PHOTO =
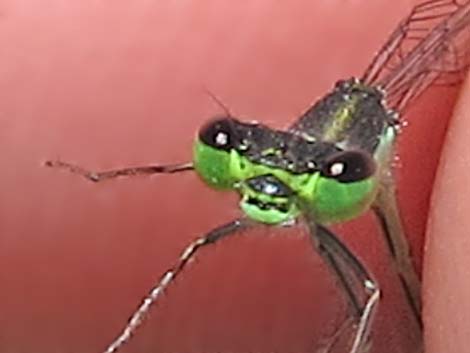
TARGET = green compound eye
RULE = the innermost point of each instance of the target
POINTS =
(212, 151)
(346, 187)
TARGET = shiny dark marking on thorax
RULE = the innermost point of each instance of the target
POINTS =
(353, 115)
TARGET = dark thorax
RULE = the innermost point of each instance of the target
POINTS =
(352, 116)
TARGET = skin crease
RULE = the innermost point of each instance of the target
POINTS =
(113, 85)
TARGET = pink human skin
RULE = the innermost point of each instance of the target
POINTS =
(446, 271)
(115, 84)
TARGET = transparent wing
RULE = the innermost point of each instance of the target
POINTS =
(430, 46)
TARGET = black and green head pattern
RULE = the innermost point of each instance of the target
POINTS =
(324, 165)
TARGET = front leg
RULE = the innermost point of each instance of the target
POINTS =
(351, 275)
(169, 276)
(114, 173)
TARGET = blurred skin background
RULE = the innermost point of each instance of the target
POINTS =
(114, 84)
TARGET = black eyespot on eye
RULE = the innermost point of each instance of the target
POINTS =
(349, 166)
(219, 133)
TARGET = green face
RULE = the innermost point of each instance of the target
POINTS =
(267, 199)
(341, 188)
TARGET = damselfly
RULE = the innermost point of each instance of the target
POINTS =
(333, 164)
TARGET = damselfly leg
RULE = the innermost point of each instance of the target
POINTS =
(169, 276)
(123, 172)
(360, 289)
